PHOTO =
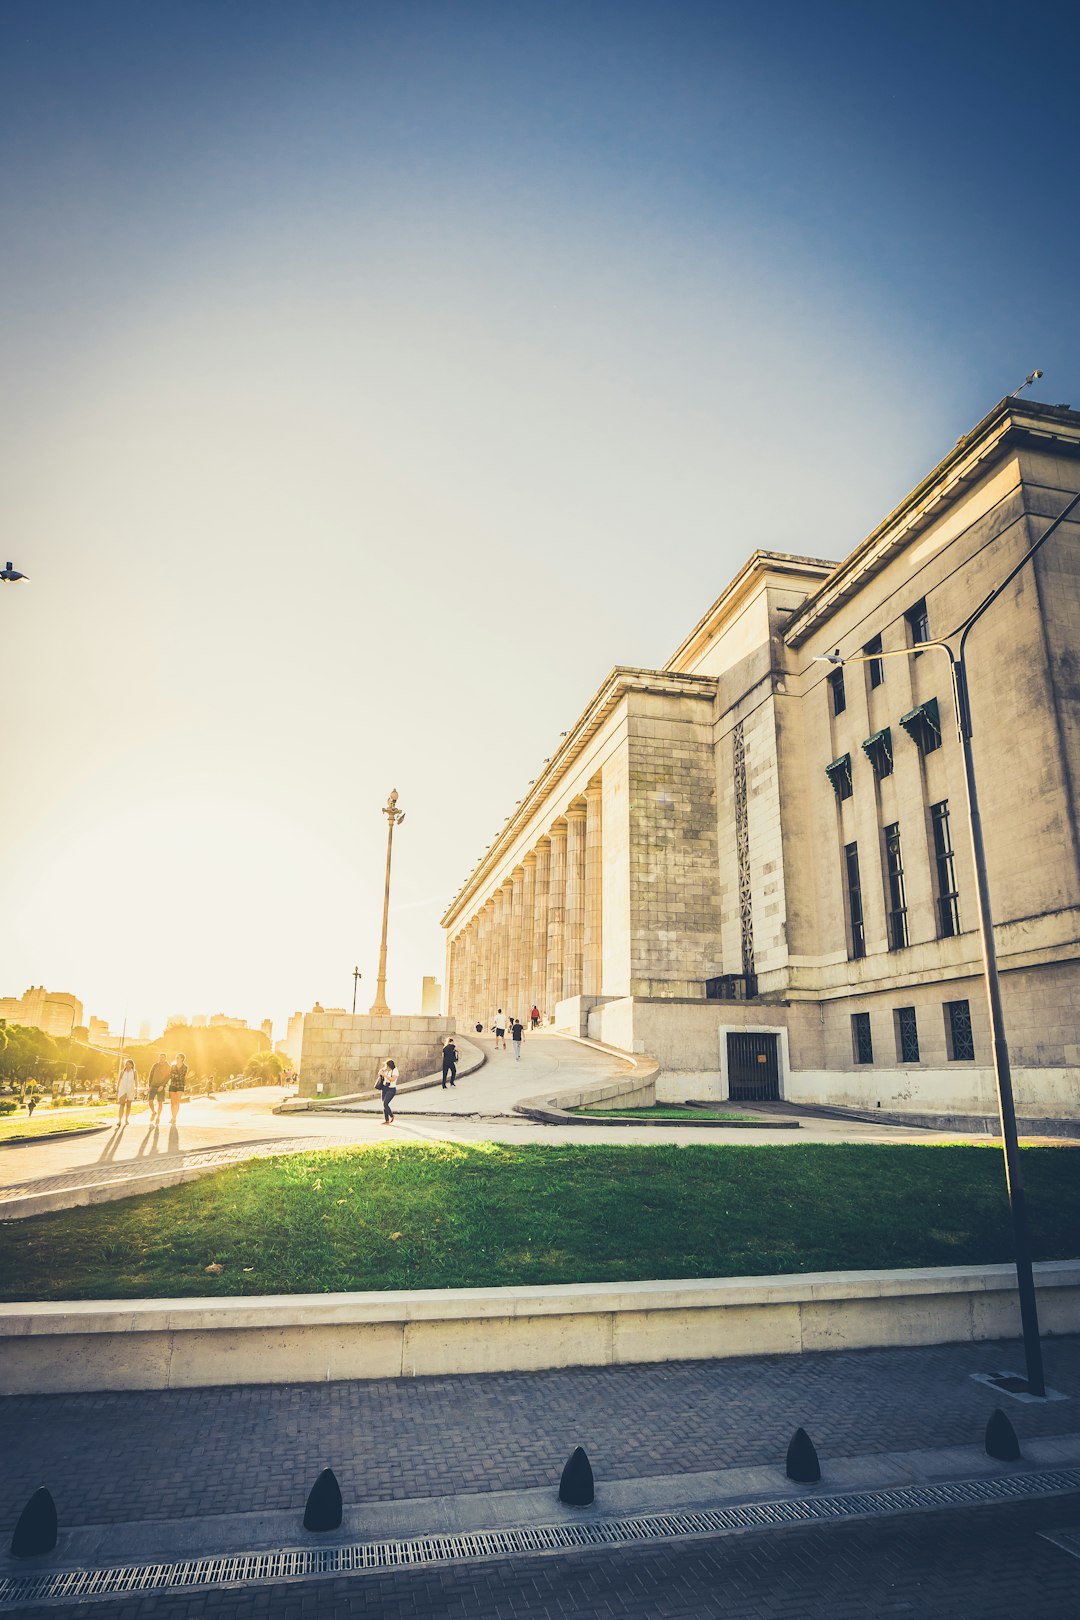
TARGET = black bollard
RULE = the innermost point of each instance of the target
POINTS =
(576, 1485)
(35, 1532)
(802, 1460)
(323, 1511)
(1001, 1441)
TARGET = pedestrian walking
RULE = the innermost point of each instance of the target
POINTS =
(178, 1074)
(31, 1104)
(125, 1092)
(498, 1023)
(387, 1084)
(516, 1034)
(449, 1063)
(156, 1081)
(534, 1017)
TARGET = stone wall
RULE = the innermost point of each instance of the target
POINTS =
(342, 1054)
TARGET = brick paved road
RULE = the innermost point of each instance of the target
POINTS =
(988, 1564)
(176, 1453)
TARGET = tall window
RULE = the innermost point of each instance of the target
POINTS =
(839, 774)
(894, 873)
(918, 621)
(958, 1036)
(948, 909)
(836, 688)
(877, 664)
(854, 895)
(861, 1040)
(907, 1035)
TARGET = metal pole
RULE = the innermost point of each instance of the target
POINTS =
(356, 977)
(394, 818)
(999, 1048)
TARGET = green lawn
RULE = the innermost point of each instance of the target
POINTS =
(443, 1215)
(55, 1121)
(658, 1111)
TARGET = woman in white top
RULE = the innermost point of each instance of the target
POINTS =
(125, 1091)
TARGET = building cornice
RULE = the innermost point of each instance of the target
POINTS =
(760, 566)
(1011, 424)
(619, 682)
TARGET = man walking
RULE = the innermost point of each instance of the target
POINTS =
(515, 1035)
(449, 1063)
(157, 1081)
(500, 1029)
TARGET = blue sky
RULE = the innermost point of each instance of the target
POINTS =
(377, 376)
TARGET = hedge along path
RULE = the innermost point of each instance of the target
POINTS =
(449, 1215)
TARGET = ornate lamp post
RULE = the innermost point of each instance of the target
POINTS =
(394, 818)
(999, 1046)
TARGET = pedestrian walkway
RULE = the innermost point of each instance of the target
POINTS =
(100, 1182)
(127, 1463)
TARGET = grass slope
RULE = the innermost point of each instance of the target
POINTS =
(59, 1121)
(449, 1216)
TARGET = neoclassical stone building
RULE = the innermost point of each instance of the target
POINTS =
(755, 866)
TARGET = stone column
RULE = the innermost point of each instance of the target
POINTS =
(507, 892)
(498, 954)
(556, 915)
(471, 974)
(540, 925)
(526, 981)
(513, 976)
(455, 958)
(574, 924)
(482, 1008)
(593, 957)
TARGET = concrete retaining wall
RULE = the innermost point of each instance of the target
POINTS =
(313, 1338)
(341, 1054)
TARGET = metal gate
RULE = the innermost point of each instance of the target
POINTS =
(753, 1067)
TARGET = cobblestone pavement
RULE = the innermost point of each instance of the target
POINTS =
(989, 1563)
(190, 1452)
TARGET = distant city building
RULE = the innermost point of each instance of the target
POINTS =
(53, 1011)
(267, 1028)
(430, 998)
(99, 1034)
(199, 1020)
(144, 1030)
(753, 864)
(221, 1021)
(294, 1035)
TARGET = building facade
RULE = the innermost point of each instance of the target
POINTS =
(53, 1011)
(755, 865)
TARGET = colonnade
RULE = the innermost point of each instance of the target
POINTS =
(538, 939)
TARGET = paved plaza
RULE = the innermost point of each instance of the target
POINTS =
(127, 1460)
(213, 1132)
(129, 1470)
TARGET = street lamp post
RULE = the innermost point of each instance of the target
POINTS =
(11, 574)
(356, 977)
(999, 1045)
(394, 818)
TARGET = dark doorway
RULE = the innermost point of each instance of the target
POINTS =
(753, 1068)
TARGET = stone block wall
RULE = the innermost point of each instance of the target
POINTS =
(674, 905)
(342, 1054)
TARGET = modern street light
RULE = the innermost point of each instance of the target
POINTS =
(998, 1044)
(11, 574)
(394, 818)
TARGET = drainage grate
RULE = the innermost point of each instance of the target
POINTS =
(308, 1563)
